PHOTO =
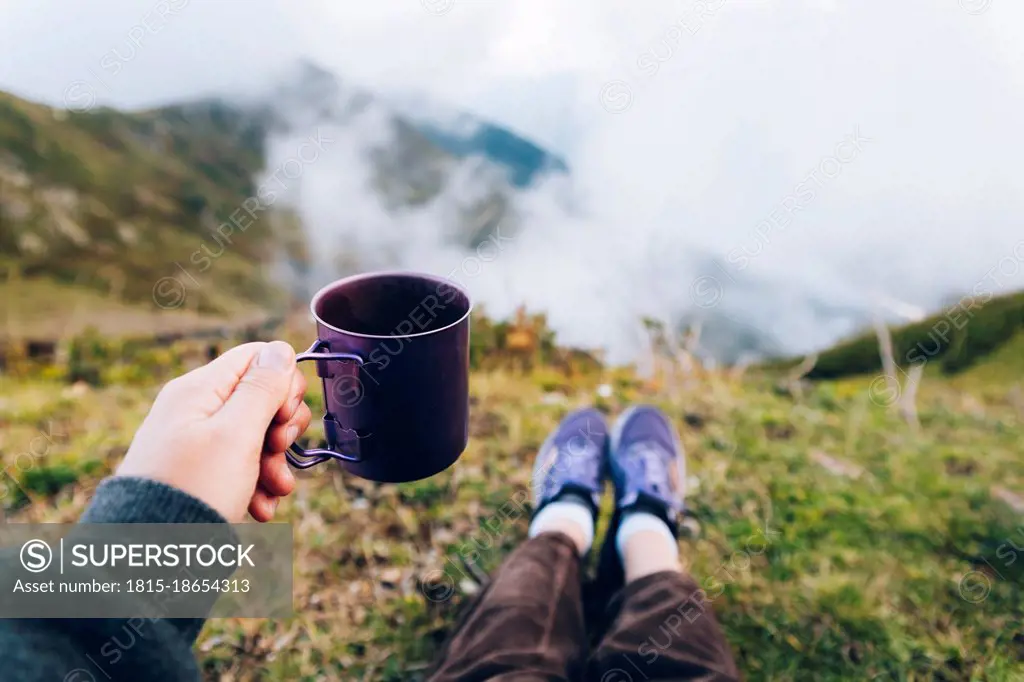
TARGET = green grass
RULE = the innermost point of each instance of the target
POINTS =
(901, 573)
(954, 339)
(42, 309)
(837, 541)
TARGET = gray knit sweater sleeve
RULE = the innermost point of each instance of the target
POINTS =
(105, 650)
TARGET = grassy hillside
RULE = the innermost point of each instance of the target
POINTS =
(112, 201)
(160, 206)
(838, 543)
(954, 338)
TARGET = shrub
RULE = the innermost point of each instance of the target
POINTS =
(88, 353)
(958, 337)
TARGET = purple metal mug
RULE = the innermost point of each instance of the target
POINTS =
(392, 351)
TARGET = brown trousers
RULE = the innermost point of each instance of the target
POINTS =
(528, 625)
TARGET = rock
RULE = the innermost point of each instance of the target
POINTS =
(12, 171)
(837, 466)
(64, 225)
(65, 199)
(127, 232)
(76, 390)
(15, 208)
(443, 536)
(29, 242)
(694, 420)
(690, 527)
(210, 643)
(1015, 501)
(391, 577)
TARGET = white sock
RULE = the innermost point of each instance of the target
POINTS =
(633, 523)
(565, 510)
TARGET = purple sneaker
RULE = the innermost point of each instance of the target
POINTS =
(647, 464)
(647, 467)
(571, 460)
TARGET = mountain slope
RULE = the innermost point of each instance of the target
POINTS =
(160, 206)
(955, 338)
(110, 201)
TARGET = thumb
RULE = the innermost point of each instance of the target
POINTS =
(262, 388)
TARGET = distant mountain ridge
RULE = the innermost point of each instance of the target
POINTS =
(467, 134)
(525, 160)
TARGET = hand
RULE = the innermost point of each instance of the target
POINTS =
(219, 432)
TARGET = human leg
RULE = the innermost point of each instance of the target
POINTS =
(528, 624)
(659, 626)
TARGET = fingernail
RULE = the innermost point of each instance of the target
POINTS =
(291, 434)
(277, 355)
(273, 504)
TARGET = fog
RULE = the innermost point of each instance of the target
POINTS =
(793, 168)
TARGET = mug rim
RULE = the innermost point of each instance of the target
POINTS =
(387, 273)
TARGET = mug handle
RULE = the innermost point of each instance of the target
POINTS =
(299, 457)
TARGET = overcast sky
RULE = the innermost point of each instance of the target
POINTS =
(684, 133)
(492, 55)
